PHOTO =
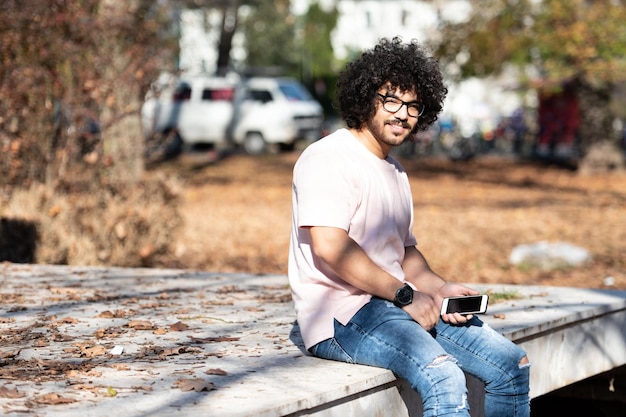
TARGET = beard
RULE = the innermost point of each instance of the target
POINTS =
(386, 136)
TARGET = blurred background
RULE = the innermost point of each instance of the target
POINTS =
(112, 112)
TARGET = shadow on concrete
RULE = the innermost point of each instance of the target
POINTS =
(18, 240)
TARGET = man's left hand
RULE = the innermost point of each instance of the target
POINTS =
(454, 290)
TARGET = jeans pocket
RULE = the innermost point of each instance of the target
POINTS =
(330, 349)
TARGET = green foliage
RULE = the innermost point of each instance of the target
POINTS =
(319, 65)
(317, 26)
(269, 31)
(300, 46)
(550, 42)
(561, 38)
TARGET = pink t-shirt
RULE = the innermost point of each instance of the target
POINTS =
(337, 182)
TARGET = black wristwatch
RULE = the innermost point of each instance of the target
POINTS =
(404, 296)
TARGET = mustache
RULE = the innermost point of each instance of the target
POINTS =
(403, 123)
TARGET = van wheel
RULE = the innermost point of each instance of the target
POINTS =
(254, 143)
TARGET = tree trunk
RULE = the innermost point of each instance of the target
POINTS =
(229, 25)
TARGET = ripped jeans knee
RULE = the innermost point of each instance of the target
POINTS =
(444, 391)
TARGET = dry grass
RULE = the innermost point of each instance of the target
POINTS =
(468, 217)
(94, 223)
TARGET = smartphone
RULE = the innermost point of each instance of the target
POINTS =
(469, 304)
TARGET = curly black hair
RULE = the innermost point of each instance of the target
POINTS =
(406, 67)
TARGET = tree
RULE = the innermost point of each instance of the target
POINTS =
(72, 70)
(319, 65)
(230, 12)
(230, 17)
(318, 55)
(269, 30)
(581, 42)
(73, 75)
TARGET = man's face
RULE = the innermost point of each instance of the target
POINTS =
(391, 128)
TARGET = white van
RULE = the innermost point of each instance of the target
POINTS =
(198, 109)
(255, 113)
(274, 111)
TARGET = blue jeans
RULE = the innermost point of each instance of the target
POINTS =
(433, 362)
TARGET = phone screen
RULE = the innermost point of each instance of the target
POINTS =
(464, 304)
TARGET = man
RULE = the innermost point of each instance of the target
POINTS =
(363, 292)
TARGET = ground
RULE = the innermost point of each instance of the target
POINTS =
(468, 216)
(59, 326)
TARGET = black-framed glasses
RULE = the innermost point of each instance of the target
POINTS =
(393, 104)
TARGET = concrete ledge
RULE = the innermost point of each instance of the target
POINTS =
(225, 345)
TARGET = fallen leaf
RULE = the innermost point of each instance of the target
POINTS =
(54, 211)
(229, 289)
(111, 391)
(195, 384)
(141, 325)
(110, 332)
(179, 326)
(499, 316)
(10, 392)
(67, 320)
(73, 373)
(65, 290)
(160, 330)
(216, 371)
(53, 399)
(142, 388)
(85, 387)
(91, 351)
(10, 354)
(41, 342)
(214, 339)
(173, 351)
(59, 337)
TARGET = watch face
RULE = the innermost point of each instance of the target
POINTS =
(404, 296)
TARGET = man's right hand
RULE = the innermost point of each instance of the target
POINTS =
(423, 310)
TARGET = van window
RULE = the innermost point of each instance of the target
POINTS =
(263, 96)
(218, 94)
(295, 92)
(182, 92)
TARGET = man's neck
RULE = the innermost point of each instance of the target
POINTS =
(368, 140)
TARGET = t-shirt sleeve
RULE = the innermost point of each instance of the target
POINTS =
(324, 192)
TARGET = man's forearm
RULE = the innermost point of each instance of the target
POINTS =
(348, 260)
(418, 272)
